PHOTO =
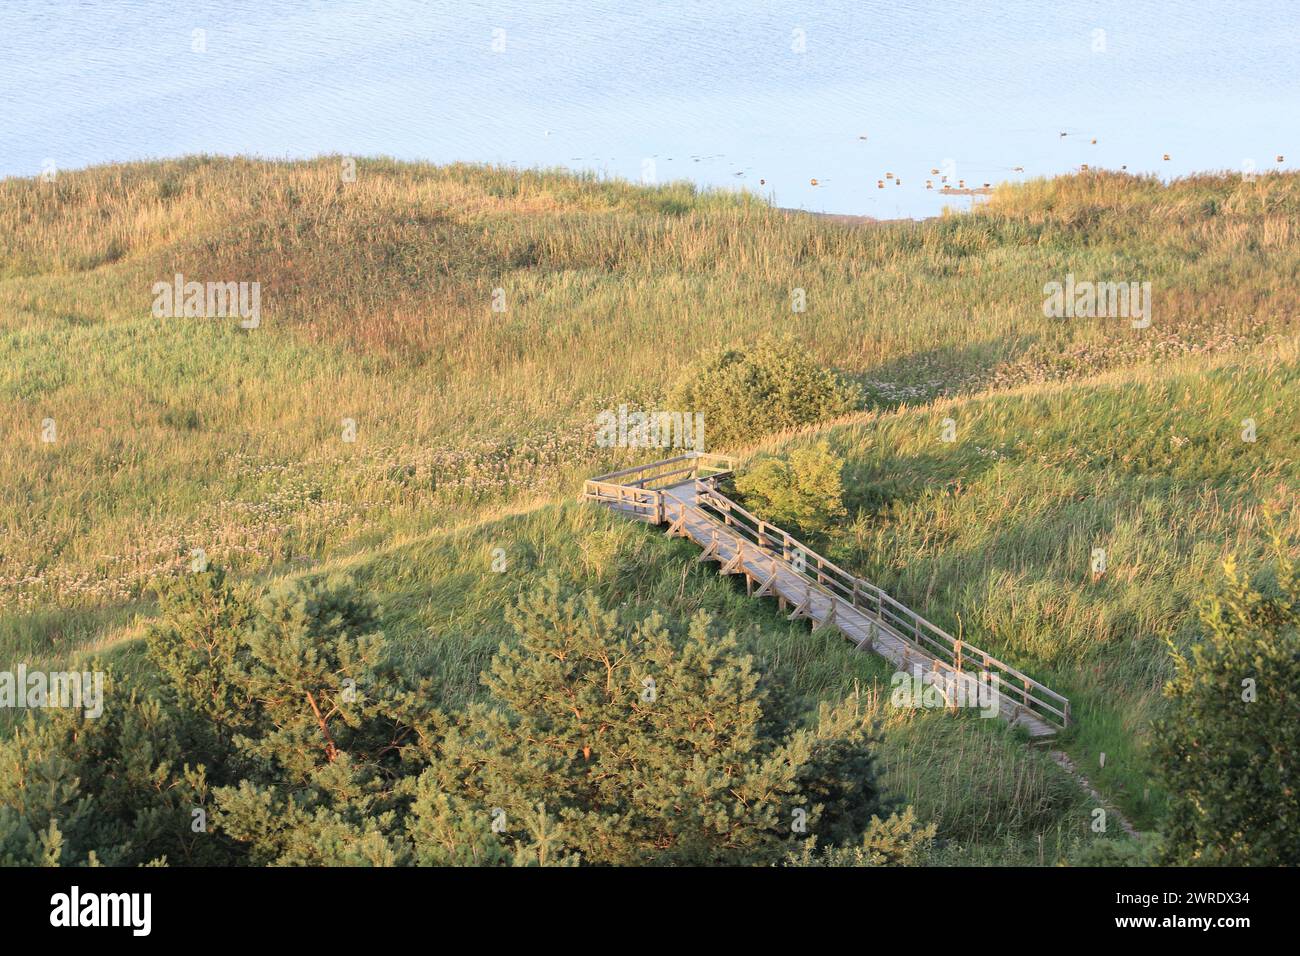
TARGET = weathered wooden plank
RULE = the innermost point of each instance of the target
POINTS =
(826, 594)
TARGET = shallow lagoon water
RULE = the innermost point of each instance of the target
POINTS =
(766, 97)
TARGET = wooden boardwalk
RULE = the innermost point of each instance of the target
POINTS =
(683, 494)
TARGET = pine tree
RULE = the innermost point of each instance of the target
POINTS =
(282, 734)
(199, 644)
(327, 741)
(117, 788)
(899, 840)
(644, 745)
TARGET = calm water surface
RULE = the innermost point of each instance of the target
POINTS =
(762, 96)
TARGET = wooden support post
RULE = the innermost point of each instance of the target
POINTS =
(804, 609)
(770, 583)
(707, 516)
(711, 551)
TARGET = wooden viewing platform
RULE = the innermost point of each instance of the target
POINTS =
(682, 492)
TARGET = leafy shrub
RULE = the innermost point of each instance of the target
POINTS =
(745, 394)
(1227, 752)
(804, 494)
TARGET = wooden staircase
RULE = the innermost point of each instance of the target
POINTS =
(682, 493)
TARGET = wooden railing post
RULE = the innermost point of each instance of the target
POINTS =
(630, 490)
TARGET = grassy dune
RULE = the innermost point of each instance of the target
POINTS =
(474, 427)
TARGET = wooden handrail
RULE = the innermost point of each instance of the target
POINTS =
(924, 634)
(700, 458)
(948, 654)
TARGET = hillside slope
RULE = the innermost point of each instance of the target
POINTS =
(473, 426)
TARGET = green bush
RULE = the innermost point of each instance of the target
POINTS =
(804, 494)
(1227, 753)
(745, 394)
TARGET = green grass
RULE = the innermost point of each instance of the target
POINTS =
(475, 427)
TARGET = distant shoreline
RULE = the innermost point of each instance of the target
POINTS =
(849, 218)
